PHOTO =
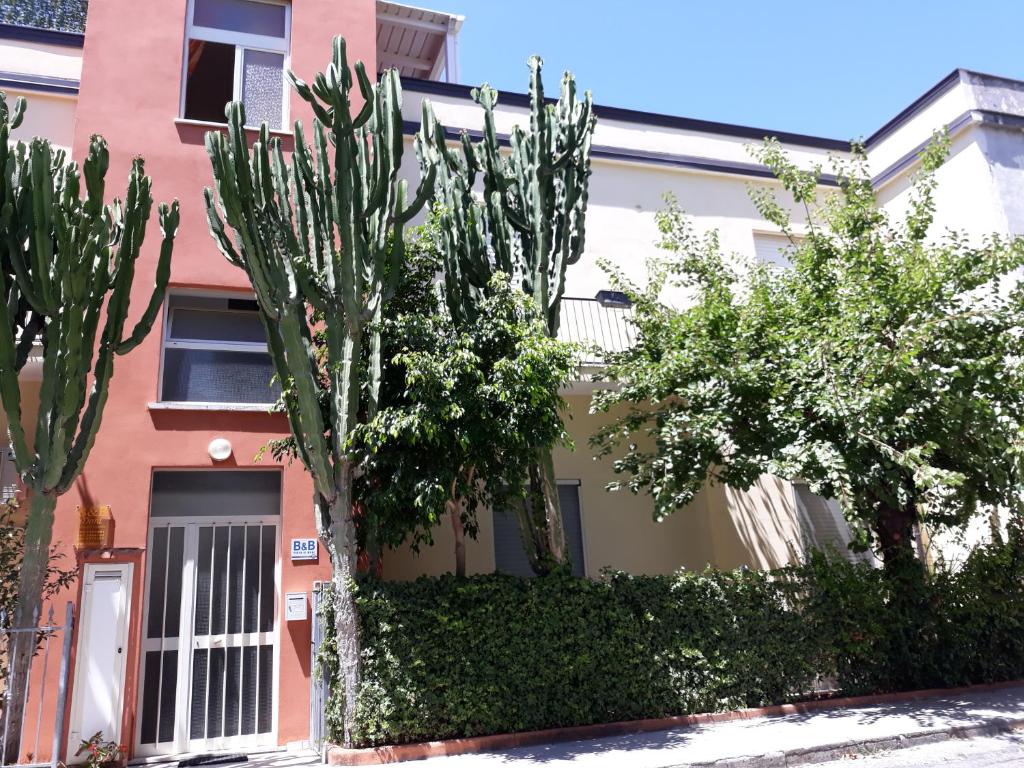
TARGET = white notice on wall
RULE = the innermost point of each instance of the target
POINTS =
(304, 549)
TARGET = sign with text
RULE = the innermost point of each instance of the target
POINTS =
(95, 528)
(304, 549)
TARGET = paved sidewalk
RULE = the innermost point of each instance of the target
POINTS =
(775, 741)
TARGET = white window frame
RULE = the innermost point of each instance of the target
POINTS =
(242, 41)
(166, 342)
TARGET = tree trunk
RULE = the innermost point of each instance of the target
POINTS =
(541, 521)
(338, 532)
(31, 581)
(454, 509)
(894, 527)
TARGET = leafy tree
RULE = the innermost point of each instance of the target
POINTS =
(67, 262)
(463, 409)
(460, 413)
(883, 367)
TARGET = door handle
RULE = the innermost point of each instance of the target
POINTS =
(118, 650)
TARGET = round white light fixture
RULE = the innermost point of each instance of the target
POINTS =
(219, 449)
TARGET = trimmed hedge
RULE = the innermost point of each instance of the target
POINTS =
(446, 657)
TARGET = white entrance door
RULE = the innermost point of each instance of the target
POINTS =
(209, 648)
(100, 657)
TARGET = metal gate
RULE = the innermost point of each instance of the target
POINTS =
(51, 709)
(208, 650)
(319, 685)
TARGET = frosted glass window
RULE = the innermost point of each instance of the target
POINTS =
(201, 325)
(160, 676)
(165, 582)
(215, 351)
(263, 88)
(216, 492)
(219, 376)
(253, 18)
(236, 52)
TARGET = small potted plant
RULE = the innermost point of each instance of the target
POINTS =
(102, 754)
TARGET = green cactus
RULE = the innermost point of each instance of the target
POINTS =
(321, 240)
(62, 259)
(529, 224)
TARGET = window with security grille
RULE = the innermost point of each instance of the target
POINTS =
(215, 351)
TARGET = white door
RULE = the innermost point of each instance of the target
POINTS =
(97, 700)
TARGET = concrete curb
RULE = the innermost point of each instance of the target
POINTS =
(335, 755)
(825, 753)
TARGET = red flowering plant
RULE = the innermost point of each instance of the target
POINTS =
(100, 753)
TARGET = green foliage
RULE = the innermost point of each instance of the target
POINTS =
(883, 367)
(529, 225)
(462, 408)
(453, 657)
(446, 657)
(954, 627)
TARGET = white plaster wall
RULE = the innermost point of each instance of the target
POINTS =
(919, 128)
(457, 113)
(625, 196)
(966, 196)
(46, 115)
(41, 59)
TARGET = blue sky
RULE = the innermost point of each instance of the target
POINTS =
(835, 68)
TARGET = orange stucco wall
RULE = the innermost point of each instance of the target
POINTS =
(130, 89)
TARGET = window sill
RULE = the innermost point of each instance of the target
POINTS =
(223, 126)
(226, 407)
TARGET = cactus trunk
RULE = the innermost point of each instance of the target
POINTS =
(320, 239)
(531, 226)
(67, 266)
(31, 579)
(338, 532)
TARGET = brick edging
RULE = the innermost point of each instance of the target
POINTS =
(335, 755)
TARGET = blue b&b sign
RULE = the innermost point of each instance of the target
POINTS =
(304, 549)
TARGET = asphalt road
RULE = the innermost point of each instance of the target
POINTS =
(989, 752)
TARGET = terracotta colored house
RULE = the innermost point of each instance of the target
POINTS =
(193, 627)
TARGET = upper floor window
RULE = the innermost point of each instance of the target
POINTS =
(237, 51)
(774, 249)
(215, 351)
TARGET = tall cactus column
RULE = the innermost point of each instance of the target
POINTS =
(321, 240)
(62, 259)
(530, 225)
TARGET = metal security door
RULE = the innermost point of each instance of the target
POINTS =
(210, 640)
(231, 701)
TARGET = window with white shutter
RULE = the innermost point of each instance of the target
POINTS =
(823, 524)
(772, 249)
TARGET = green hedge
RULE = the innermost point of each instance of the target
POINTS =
(444, 657)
